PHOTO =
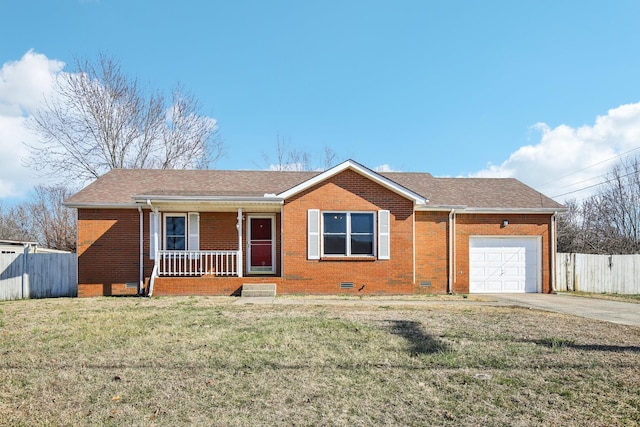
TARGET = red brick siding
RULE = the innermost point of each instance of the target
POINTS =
(109, 244)
(108, 251)
(218, 231)
(347, 191)
(207, 285)
(432, 251)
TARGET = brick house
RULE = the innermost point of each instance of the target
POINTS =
(347, 230)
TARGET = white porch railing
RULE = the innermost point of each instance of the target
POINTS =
(197, 263)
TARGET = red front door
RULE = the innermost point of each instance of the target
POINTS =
(261, 247)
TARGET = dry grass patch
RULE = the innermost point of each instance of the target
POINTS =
(613, 297)
(179, 361)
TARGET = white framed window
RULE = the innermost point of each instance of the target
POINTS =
(175, 232)
(181, 231)
(348, 234)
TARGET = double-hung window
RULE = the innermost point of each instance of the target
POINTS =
(348, 233)
(175, 232)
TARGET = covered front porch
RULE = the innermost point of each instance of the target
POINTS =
(198, 244)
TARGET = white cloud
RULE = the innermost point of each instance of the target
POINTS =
(566, 160)
(23, 86)
(384, 168)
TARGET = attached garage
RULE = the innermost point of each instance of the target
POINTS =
(504, 264)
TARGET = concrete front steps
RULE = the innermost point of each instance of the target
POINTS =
(259, 290)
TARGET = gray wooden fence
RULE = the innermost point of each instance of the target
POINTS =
(618, 274)
(38, 275)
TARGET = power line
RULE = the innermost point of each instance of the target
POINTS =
(595, 185)
(588, 167)
(581, 182)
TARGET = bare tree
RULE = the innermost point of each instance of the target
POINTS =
(569, 228)
(288, 158)
(16, 224)
(330, 157)
(608, 222)
(99, 119)
(620, 207)
(54, 225)
(42, 219)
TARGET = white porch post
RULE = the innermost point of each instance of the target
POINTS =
(239, 227)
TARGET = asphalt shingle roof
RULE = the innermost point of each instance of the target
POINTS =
(119, 186)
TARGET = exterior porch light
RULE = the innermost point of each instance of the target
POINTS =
(505, 222)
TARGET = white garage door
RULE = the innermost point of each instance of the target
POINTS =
(503, 265)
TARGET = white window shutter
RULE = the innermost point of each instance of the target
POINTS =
(313, 234)
(194, 231)
(384, 240)
(153, 234)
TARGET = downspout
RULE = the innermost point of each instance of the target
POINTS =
(140, 276)
(413, 237)
(554, 248)
(281, 242)
(451, 253)
(154, 272)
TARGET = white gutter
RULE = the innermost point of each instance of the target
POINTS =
(439, 208)
(141, 275)
(413, 239)
(451, 251)
(101, 205)
(221, 199)
(467, 209)
(155, 257)
(521, 211)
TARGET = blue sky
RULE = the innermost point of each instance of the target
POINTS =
(531, 89)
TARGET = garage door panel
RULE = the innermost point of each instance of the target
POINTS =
(476, 257)
(512, 286)
(503, 264)
(494, 257)
(513, 271)
(493, 272)
(478, 272)
(493, 286)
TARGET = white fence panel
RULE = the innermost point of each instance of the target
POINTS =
(38, 276)
(618, 274)
(11, 267)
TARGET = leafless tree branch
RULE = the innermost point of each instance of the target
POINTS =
(100, 119)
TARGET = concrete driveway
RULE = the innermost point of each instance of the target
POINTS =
(625, 313)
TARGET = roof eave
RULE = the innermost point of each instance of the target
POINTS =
(212, 199)
(515, 210)
(427, 207)
(94, 205)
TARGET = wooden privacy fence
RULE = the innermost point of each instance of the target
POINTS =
(39, 275)
(618, 274)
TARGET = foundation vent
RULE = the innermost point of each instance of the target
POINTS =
(346, 285)
(425, 284)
